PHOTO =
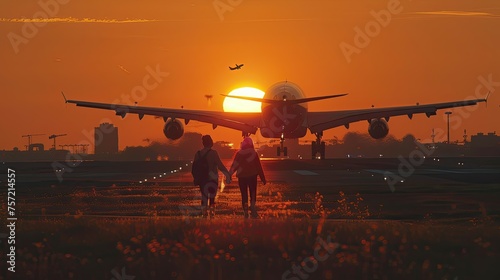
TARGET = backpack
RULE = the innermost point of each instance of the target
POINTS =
(200, 169)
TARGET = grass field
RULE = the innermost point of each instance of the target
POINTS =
(153, 232)
(228, 248)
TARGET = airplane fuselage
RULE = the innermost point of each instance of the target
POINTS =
(284, 120)
(237, 67)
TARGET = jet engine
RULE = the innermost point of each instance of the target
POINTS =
(378, 128)
(173, 129)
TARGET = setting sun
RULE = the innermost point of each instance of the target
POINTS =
(238, 105)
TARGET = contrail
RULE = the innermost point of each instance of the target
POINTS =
(80, 20)
(123, 68)
(455, 13)
(277, 19)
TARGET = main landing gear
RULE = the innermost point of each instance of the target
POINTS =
(281, 148)
(318, 147)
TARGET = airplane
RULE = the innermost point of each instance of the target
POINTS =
(237, 67)
(284, 116)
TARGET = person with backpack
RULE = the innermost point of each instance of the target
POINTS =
(247, 166)
(205, 173)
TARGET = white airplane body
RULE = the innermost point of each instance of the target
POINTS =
(284, 115)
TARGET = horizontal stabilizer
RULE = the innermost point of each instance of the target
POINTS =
(288, 101)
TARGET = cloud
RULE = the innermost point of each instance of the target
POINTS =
(457, 13)
(75, 20)
(277, 19)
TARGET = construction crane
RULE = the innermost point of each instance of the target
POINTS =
(54, 136)
(29, 138)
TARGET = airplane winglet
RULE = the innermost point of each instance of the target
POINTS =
(65, 100)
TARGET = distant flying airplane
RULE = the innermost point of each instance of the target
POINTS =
(284, 116)
(237, 67)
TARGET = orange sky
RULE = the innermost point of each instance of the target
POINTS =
(429, 51)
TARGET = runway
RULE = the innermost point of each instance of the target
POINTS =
(444, 188)
(289, 171)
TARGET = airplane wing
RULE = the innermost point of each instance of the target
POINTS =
(320, 121)
(245, 122)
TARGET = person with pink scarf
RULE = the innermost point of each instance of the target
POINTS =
(247, 166)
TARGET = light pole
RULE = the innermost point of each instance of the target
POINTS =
(448, 114)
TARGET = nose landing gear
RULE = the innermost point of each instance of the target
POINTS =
(281, 148)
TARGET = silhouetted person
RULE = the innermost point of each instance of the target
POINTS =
(209, 183)
(247, 166)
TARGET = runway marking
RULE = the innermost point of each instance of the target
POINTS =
(449, 171)
(305, 172)
(376, 171)
(455, 171)
(467, 171)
